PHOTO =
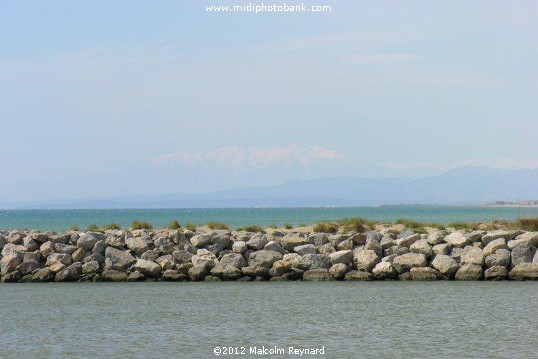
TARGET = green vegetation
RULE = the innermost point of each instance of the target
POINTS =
(141, 225)
(273, 226)
(288, 226)
(326, 227)
(111, 226)
(92, 228)
(528, 224)
(257, 229)
(75, 229)
(174, 225)
(302, 225)
(190, 227)
(217, 225)
(409, 223)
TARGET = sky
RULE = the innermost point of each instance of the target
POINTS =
(94, 95)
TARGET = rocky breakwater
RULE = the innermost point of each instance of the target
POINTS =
(215, 255)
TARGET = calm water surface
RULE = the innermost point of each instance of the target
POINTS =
(187, 320)
(59, 220)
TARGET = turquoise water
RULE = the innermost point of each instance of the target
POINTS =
(59, 220)
(349, 319)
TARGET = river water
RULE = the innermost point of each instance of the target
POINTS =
(346, 319)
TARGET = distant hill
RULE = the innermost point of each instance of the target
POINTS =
(465, 185)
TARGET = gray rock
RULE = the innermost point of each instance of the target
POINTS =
(422, 246)
(531, 237)
(221, 237)
(305, 249)
(137, 244)
(233, 259)
(492, 235)
(472, 255)
(88, 241)
(446, 265)
(166, 262)
(35, 255)
(457, 239)
(216, 249)
(407, 261)
(63, 258)
(91, 267)
(117, 259)
(147, 268)
(114, 275)
(136, 276)
(78, 255)
(28, 267)
(115, 241)
(522, 253)
(151, 255)
(469, 272)
(456, 253)
(317, 275)
(3, 242)
(358, 276)
(443, 248)
(257, 242)
(11, 248)
(326, 249)
(290, 242)
(501, 257)
(11, 277)
(384, 270)
(30, 244)
(338, 271)
(95, 257)
(524, 271)
(318, 239)
(99, 247)
(274, 246)
(373, 245)
(424, 274)
(182, 256)
(251, 271)
(494, 245)
(200, 240)
(226, 272)
(239, 247)
(436, 238)
(69, 274)
(387, 242)
(342, 257)
(65, 248)
(407, 241)
(171, 275)
(204, 258)
(264, 258)
(496, 273)
(43, 275)
(9, 263)
(315, 261)
(365, 260)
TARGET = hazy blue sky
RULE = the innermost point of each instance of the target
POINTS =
(97, 88)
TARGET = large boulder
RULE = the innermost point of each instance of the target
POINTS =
(274, 246)
(317, 275)
(9, 263)
(137, 244)
(338, 271)
(114, 275)
(524, 271)
(204, 257)
(264, 258)
(29, 243)
(148, 268)
(258, 271)
(492, 235)
(257, 242)
(43, 275)
(446, 265)
(46, 249)
(501, 257)
(11, 248)
(198, 272)
(523, 252)
(28, 267)
(315, 261)
(407, 261)
(496, 273)
(422, 246)
(182, 256)
(472, 255)
(424, 274)
(365, 260)
(494, 245)
(233, 259)
(407, 241)
(305, 249)
(200, 240)
(384, 270)
(345, 257)
(358, 276)
(88, 240)
(117, 259)
(531, 237)
(469, 272)
(65, 248)
(63, 258)
(239, 247)
(226, 272)
(457, 239)
(290, 242)
(69, 274)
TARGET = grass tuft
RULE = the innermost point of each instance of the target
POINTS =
(217, 225)
(528, 224)
(256, 229)
(141, 225)
(191, 227)
(111, 226)
(174, 225)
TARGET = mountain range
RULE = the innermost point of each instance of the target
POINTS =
(464, 185)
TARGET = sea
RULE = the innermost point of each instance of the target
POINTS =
(61, 220)
(444, 319)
